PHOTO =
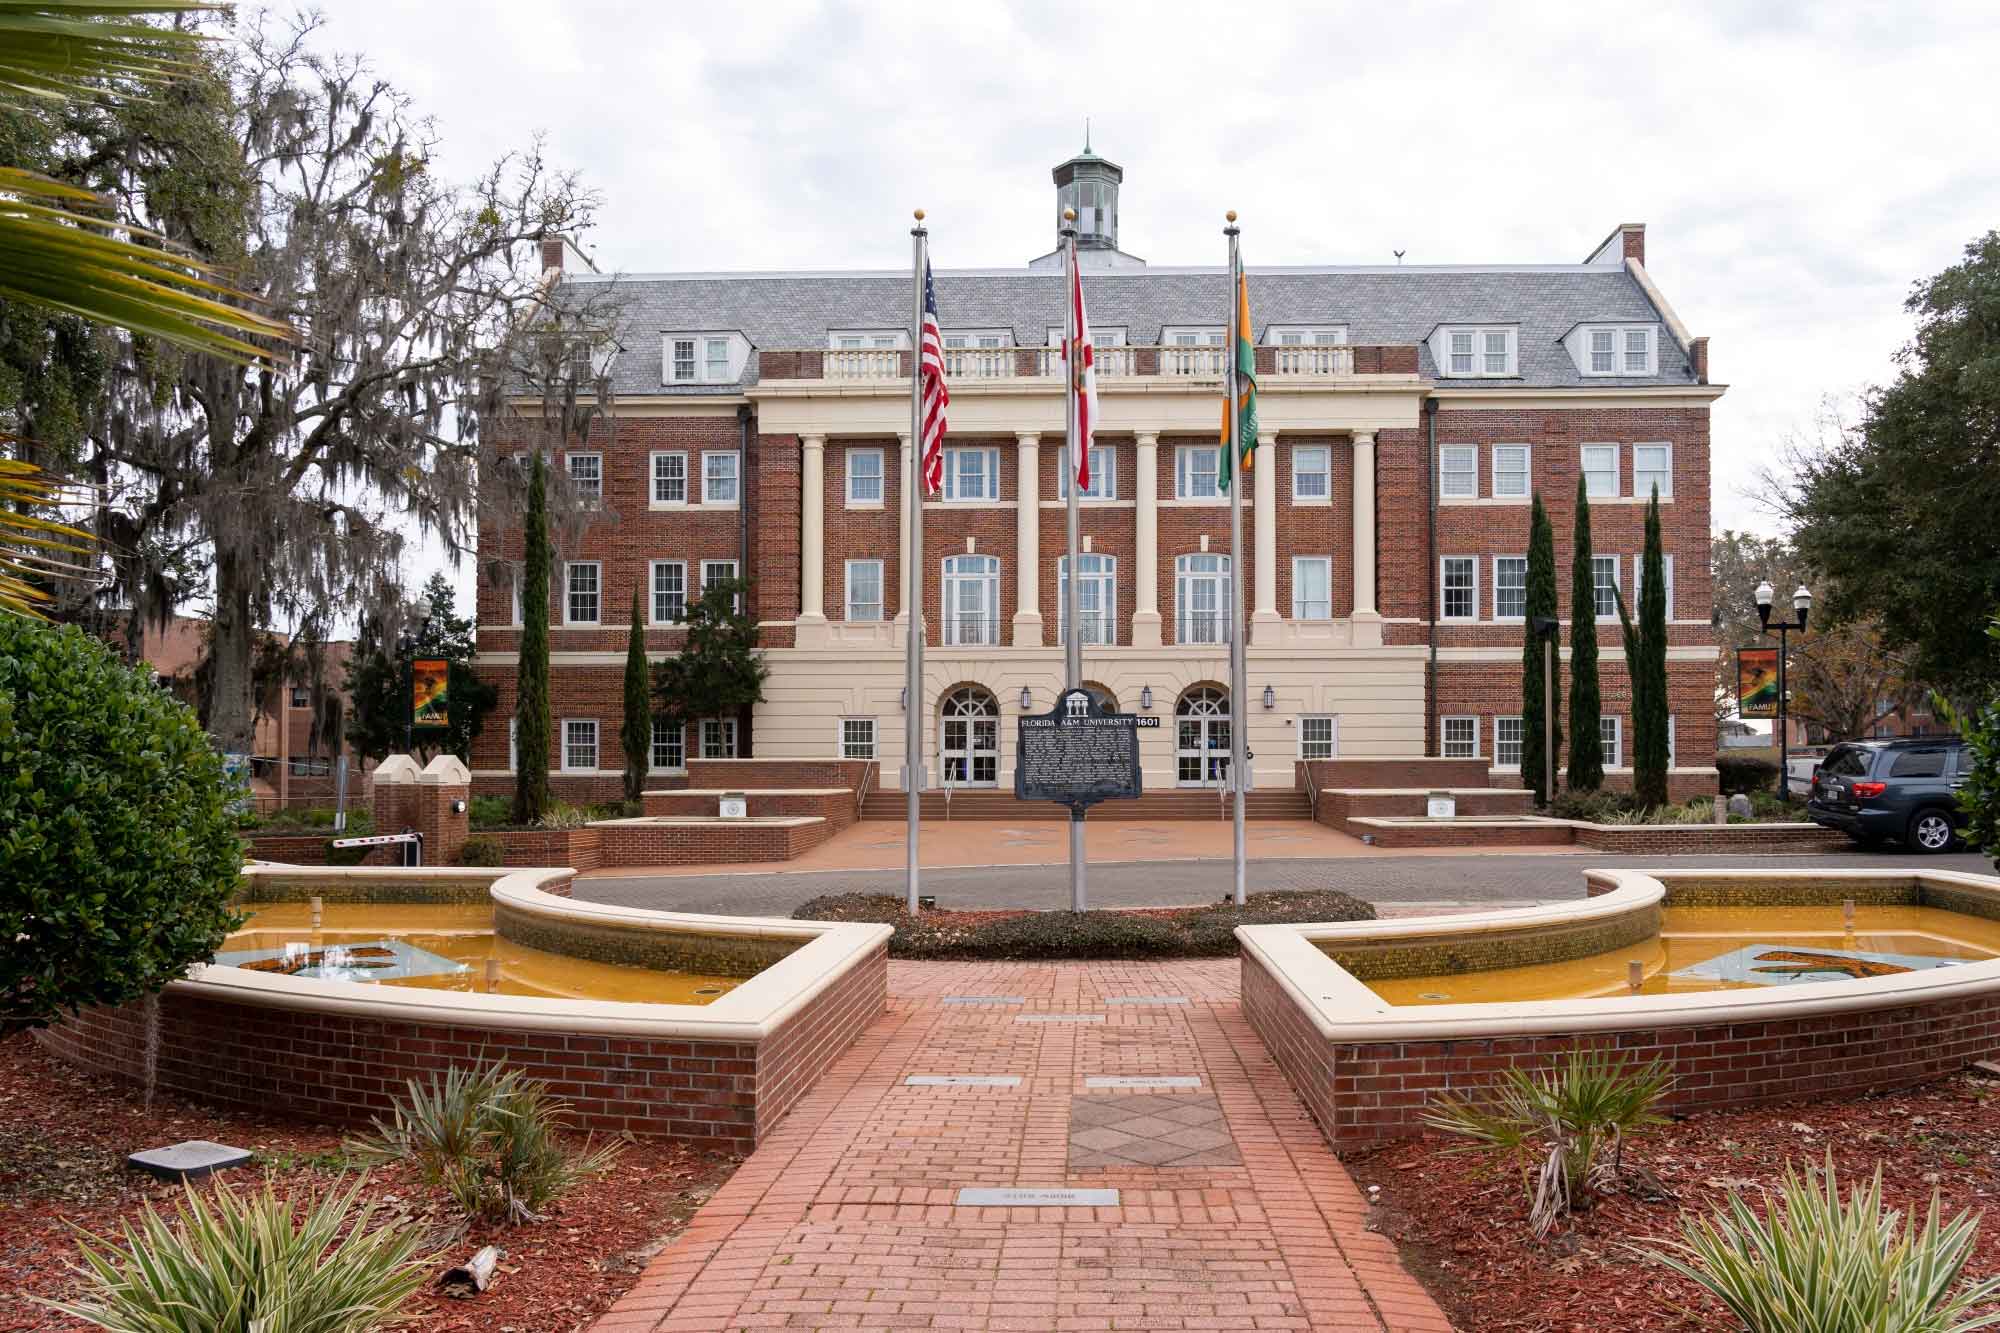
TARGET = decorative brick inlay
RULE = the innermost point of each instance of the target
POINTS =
(1159, 1130)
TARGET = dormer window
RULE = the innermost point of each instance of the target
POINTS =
(703, 358)
(978, 338)
(1295, 335)
(1630, 350)
(860, 340)
(1477, 351)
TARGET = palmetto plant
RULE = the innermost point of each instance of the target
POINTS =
(250, 1263)
(1565, 1127)
(1824, 1265)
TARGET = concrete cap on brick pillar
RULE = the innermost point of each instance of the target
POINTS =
(395, 770)
(446, 770)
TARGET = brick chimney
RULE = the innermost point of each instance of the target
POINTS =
(1634, 234)
(1626, 241)
(552, 253)
(1698, 359)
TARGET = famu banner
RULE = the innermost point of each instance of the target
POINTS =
(430, 702)
(1757, 682)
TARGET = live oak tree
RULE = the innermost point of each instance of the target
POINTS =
(1585, 770)
(1536, 718)
(718, 672)
(1646, 663)
(636, 733)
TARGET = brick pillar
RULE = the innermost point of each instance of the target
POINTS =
(443, 794)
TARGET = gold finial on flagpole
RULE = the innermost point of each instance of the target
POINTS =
(919, 215)
(1069, 215)
(1230, 215)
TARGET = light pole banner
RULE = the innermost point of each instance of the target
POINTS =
(1757, 682)
(430, 705)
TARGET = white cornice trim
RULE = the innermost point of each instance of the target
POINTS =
(1583, 398)
(1681, 653)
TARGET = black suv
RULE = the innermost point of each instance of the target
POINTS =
(1905, 789)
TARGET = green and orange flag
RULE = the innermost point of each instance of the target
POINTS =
(1245, 353)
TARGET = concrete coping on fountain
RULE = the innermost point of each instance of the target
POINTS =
(1343, 1009)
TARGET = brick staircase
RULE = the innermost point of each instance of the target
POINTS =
(979, 803)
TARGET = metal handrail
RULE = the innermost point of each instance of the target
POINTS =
(861, 792)
(1312, 790)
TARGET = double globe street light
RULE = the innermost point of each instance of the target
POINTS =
(1802, 603)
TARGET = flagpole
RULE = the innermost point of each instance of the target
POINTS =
(1238, 683)
(913, 584)
(1072, 631)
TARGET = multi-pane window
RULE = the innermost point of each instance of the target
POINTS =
(972, 600)
(669, 746)
(1667, 579)
(1458, 579)
(1604, 580)
(718, 738)
(1510, 471)
(1600, 471)
(670, 479)
(864, 590)
(1477, 351)
(1460, 736)
(1312, 587)
(1096, 598)
(1603, 351)
(581, 606)
(1652, 468)
(715, 573)
(857, 738)
(1507, 742)
(1316, 737)
(1458, 471)
(972, 474)
(1103, 474)
(864, 476)
(1496, 352)
(1611, 734)
(1638, 351)
(715, 359)
(1312, 475)
(586, 479)
(683, 359)
(1510, 587)
(1201, 598)
(669, 592)
(579, 744)
(719, 478)
(1461, 352)
(1195, 468)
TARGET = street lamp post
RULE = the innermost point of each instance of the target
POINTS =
(407, 642)
(1802, 603)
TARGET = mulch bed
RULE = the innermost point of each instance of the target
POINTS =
(1460, 1220)
(64, 1137)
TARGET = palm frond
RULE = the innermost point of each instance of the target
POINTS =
(26, 537)
(61, 48)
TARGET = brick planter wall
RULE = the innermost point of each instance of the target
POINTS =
(737, 774)
(1703, 839)
(836, 807)
(706, 844)
(577, 848)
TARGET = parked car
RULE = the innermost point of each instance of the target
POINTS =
(1906, 789)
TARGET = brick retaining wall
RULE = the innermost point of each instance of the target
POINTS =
(835, 806)
(1704, 839)
(707, 844)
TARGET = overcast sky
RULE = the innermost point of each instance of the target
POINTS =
(1798, 166)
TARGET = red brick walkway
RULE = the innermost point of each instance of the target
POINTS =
(846, 1216)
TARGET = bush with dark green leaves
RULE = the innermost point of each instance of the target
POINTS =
(1202, 932)
(1743, 773)
(119, 851)
(481, 852)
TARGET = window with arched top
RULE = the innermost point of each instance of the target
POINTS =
(969, 738)
(1201, 598)
(1201, 737)
(1096, 598)
(971, 600)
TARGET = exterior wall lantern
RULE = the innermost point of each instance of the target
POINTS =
(1146, 698)
(1270, 697)
(1027, 699)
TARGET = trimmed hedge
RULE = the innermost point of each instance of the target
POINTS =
(1741, 773)
(1201, 932)
(486, 852)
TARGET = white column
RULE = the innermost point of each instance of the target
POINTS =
(1264, 618)
(908, 478)
(1367, 619)
(1146, 552)
(812, 536)
(1028, 541)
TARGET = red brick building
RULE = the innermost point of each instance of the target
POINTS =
(759, 425)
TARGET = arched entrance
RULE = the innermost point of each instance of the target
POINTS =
(969, 739)
(1201, 737)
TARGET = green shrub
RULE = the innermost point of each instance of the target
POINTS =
(563, 815)
(1828, 1266)
(490, 1137)
(1742, 773)
(481, 852)
(1568, 1116)
(1596, 807)
(232, 1263)
(119, 851)
(490, 812)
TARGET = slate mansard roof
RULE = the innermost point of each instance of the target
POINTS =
(1387, 305)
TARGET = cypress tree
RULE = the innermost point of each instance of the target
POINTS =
(637, 731)
(1586, 741)
(1535, 720)
(1649, 703)
(532, 722)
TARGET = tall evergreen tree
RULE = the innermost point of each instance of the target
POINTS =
(532, 722)
(719, 671)
(1646, 660)
(1586, 741)
(1536, 719)
(637, 732)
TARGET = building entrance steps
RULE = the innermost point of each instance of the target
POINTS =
(1230, 1211)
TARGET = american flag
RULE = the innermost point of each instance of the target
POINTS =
(1080, 360)
(934, 393)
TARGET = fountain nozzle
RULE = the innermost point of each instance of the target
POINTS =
(1635, 974)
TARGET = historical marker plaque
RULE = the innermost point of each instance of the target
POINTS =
(1077, 754)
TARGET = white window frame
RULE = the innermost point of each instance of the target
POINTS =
(722, 730)
(1614, 744)
(1591, 352)
(957, 571)
(1324, 472)
(513, 745)
(1639, 581)
(1499, 615)
(1520, 740)
(596, 567)
(851, 340)
(1583, 462)
(1101, 335)
(653, 591)
(880, 479)
(978, 339)
(1480, 335)
(515, 574)
(654, 478)
(1527, 471)
(1445, 562)
(1185, 577)
(1326, 561)
(1673, 748)
(1445, 741)
(1599, 585)
(709, 374)
(709, 480)
(674, 342)
(1665, 474)
(1332, 741)
(1185, 471)
(847, 742)
(989, 472)
(1648, 350)
(670, 736)
(731, 566)
(591, 496)
(1464, 461)
(1622, 347)
(1305, 335)
(1103, 473)
(1194, 335)
(1100, 569)
(847, 592)
(596, 744)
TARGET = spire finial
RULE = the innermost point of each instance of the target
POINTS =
(1086, 134)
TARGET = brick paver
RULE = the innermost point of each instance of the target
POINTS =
(846, 1217)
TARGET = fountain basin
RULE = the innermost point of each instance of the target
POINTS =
(1324, 997)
